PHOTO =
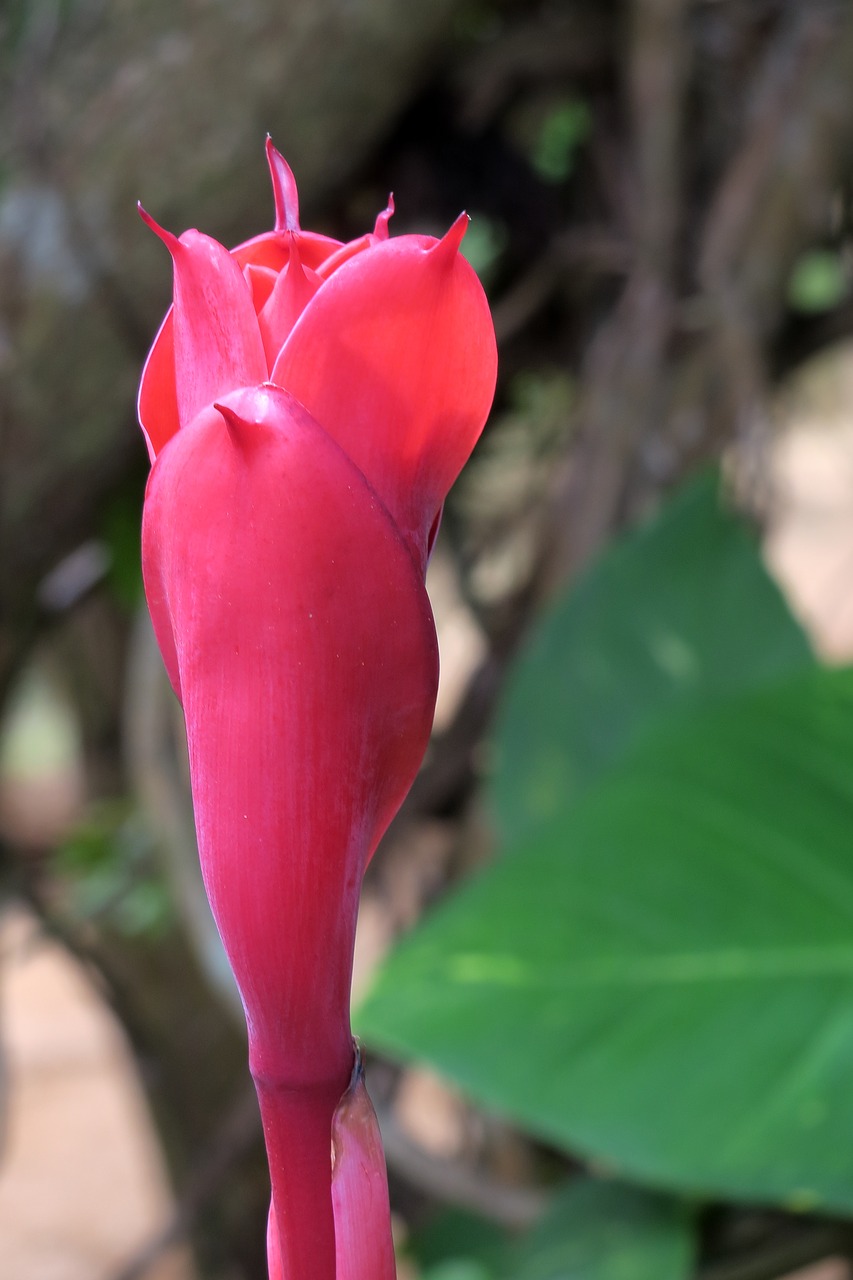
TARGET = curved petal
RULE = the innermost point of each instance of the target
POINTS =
(272, 249)
(285, 193)
(299, 632)
(217, 340)
(380, 227)
(395, 356)
(294, 288)
(157, 401)
(261, 282)
(346, 251)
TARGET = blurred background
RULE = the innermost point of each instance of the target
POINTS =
(617, 1040)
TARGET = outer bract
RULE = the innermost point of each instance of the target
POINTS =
(307, 405)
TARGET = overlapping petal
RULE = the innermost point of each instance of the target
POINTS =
(217, 341)
(305, 655)
(294, 288)
(272, 249)
(395, 356)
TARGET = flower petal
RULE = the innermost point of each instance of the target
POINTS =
(363, 1246)
(395, 356)
(261, 282)
(302, 643)
(157, 402)
(294, 288)
(285, 193)
(217, 340)
(272, 249)
(380, 228)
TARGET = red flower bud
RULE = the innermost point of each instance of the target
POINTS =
(307, 406)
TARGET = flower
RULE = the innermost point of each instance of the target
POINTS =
(307, 405)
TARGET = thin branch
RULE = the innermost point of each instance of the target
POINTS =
(622, 381)
(454, 1183)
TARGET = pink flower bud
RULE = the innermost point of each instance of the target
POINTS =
(307, 406)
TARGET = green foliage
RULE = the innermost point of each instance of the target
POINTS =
(485, 241)
(459, 1269)
(660, 975)
(818, 281)
(461, 1240)
(592, 1230)
(108, 871)
(606, 1231)
(563, 131)
(674, 617)
(121, 531)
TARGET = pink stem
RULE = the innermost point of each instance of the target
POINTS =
(297, 1126)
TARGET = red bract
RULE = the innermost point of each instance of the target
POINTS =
(307, 405)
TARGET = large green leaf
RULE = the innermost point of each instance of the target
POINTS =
(664, 977)
(459, 1269)
(607, 1231)
(458, 1236)
(593, 1230)
(676, 615)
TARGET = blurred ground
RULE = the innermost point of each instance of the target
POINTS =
(810, 541)
(82, 1183)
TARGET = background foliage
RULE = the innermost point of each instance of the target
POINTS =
(640, 969)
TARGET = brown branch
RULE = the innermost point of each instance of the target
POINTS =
(775, 113)
(622, 380)
(454, 1183)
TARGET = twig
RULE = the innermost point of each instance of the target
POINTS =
(589, 249)
(622, 392)
(455, 1183)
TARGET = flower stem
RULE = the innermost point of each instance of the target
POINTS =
(297, 1126)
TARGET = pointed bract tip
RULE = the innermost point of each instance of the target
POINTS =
(171, 241)
(448, 246)
(380, 230)
(284, 190)
(238, 428)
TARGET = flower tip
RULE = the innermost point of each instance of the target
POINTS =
(284, 190)
(448, 246)
(380, 230)
(169, 240)
(238, 428)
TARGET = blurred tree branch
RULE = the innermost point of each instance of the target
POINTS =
(102, 105)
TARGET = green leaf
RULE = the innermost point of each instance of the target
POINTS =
(564, 131)
(677, 615)
(608, 1231)
(457, 1236)
(663, 977)
(122, 531)
(818, 281)
(459, 1269)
